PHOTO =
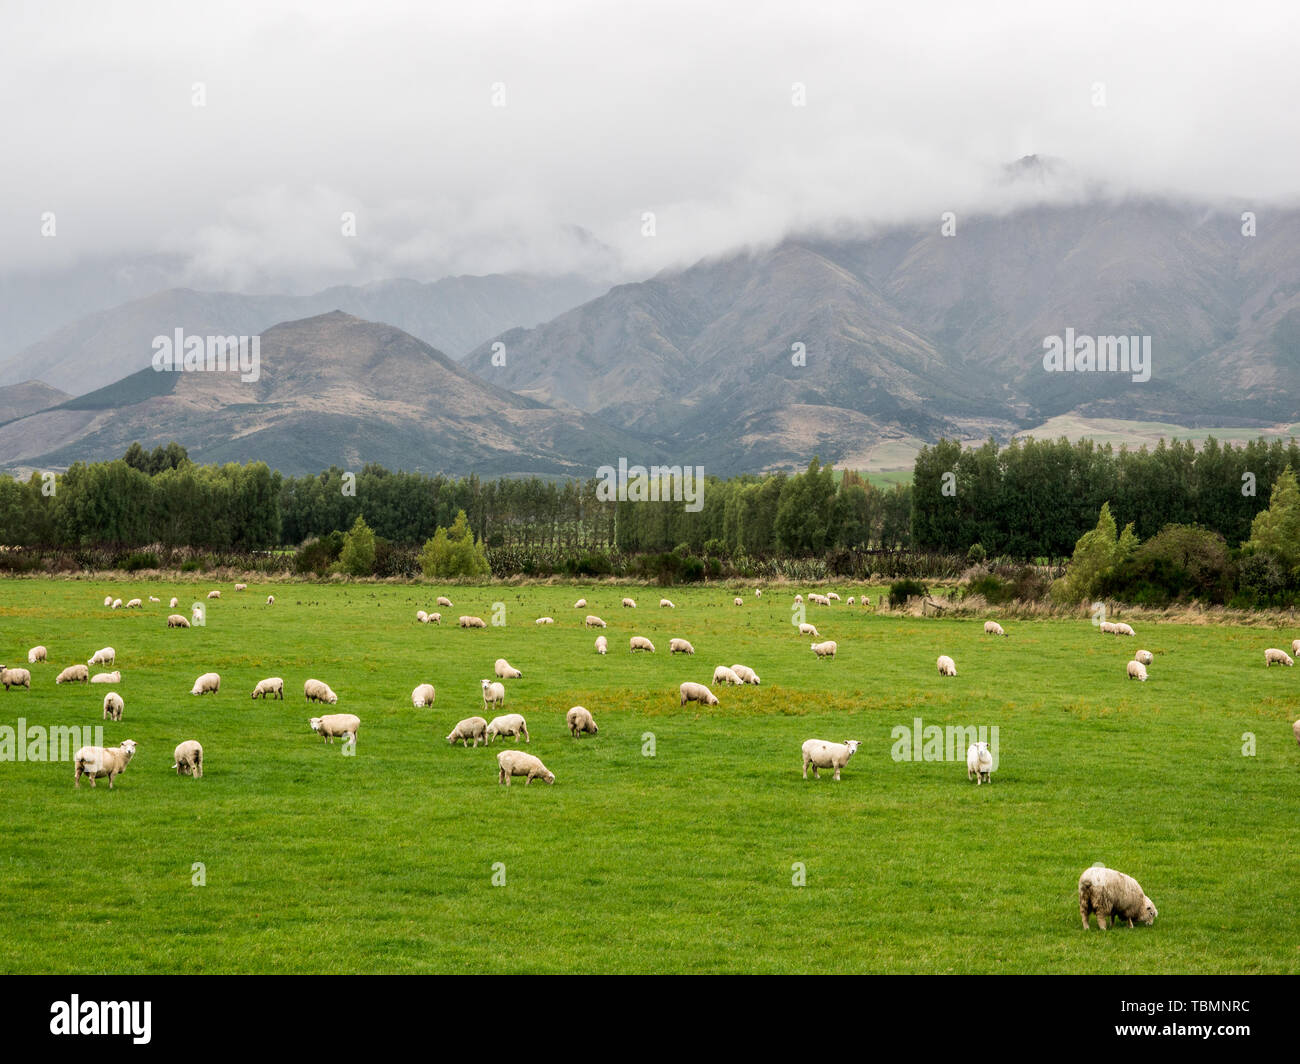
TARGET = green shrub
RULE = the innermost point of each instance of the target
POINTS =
(902, 590)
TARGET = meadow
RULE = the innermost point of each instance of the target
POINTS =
(684, 861)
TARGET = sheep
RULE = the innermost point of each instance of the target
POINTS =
(665, 604)
(993, 628)
(470, 728)
(319, 691)
(241, 587)
(174, 603)
(1137, 671)
(819, 754)
(270, 600)
(979, 763)
(580, 721)
(809, 629)
(154, 598)
(851, 599)
(1106, 626)
(175, 620)
(1295, 646)
(1295, 730)
(506, 671)
(36, 654)
(421, 617)
(593, 621)
(187, 759)
(832, 597)
(517, 763)
(108, 600)
(207, 684)
(1144, 656)
(103, 657)
(214, 594)
(493, 693)
(135, 604)
(472, 622)
(798, 598)
(511, 725)
(758, 592)
(423, 696)
(680, 646)
(601, 646)
(640, 642)
(107, 677)
(113, 706)
(724, 675)
(629, 604)
(435, 618)
(1273, 656)
(272, 685)
(334, 725)
(544, 620)
(73, 674)
(1113, 896)
(1122, 629)
(117, 604)
(747, 674)
(581, 604)
(696, 692)
(826, 649)
(864, 601)
(15, 678)
(738, 601)
(444, 601)
(947, 667)
(95, 761)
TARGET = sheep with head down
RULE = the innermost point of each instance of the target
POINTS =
(1273, 656)
(207, 684)
(15, 678)
(423, 696)
(474, 728)
(1114, 897)
(517, 763)
(580, 721)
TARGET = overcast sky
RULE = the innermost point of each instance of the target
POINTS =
(686, 110)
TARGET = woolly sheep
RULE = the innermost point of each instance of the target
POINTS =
(444, 601)
(103, 657)
(1106, 626)
(241, 587)
(832, 597)
(664, 604)
(117, 604)
(470, 728)
(15, 678)
(993, 628)
(435, 618)
(601, 645)
(270, 600)
(580, 721)
(319, 691)
(1295, 647)
(177, 621)
(421, 617)
(581, 604)
(472, 622)
(809, 629)
(96, 761)
(680, 646)
(506, 671)
(214, 594)
(1122, 629)
(173, 604)
(947, 667)
(758, 592)
(696, 692)
(154, 599)
(826, 649)
(629, 604)
(1137, 671)
(1144, 656)
(423, 696)
(798, 598)
(640, 642)
(73, 674)
(511, 725)
(108, 600)
(36, 654)
(979, 763)
(747, 674)
(107, 677)
(272, 685)
(851, 600)
(344, 725)
(113, 706)
(818, 600)
(724, 675)
(1113, 896)
(187, 759)
(207, 684)
(493, 693)
(738, 601)
(1295, 730)
(135, 604)
(593, 621)
(517, 763)
(819, 754)
(1273, 656)
(544, 620)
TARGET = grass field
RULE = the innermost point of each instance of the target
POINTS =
(681, 862)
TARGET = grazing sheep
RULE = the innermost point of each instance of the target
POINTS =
(593, 621)
(850, 601)
(96, 761)
(272, 685)
(832, 597)
(979, 763)
(73, 674)
(472, 622)
(214, 594)
(724, 675)
(696, 692)
(421, 617)
(993, 628)
(864, 601)
(135, 604)
(174, 603)
(818, 600)
(175, 620)
(423, 696)
(1295, 730)
(36, 654)
(319, 691)
(629, 604)
(826, 649)
(270, 600)
(493, 693)
(444, 601)
(517, 763)
(470, 728)
(108, 600)
(1144, 656)
(15, 678)
(819, 754)
(1122, 629)
(334, 725)
(798, 598)
(580, 721)
(511, 725)
(745, 673)
(947, 667)
(809, 629)
(117, 604)
(738, 601)
(1137, 671)
(435, 618)
(601, 645)
(640, 642)
(241, 587)
(664, 604)
(544, 620)
(758, 592)
(1113, 896)
(207, 684)
(113, 706)
(680, 646)
(103, 657)
(107, 677)
(188, 759)
(581, 604)
(1273, 656)
(506, 671)
(154, 599)
(1295, 647)
(1106, 626)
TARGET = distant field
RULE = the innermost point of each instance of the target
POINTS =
(681, 862)
(1137, 433)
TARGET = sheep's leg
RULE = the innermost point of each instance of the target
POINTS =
(805, 770)
(527, 737)
(1083, 913)
(1101, 920)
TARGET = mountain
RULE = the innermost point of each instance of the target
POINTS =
(454, 314)
(331, 390)
(19, 400)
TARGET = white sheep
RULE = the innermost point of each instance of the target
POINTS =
(819, 754)
(798, 598)
(629, 604)
(207, 684)
(117, 604)
(187, 759)
(108, 600)
(272, 685)
(724, 675)
(758, 592)
(270, 600)
(113, 706)
(851, 599)
(738, 601)
(214, 594)
(1122, 629)
(581, 604)
(1113, 896)
(1106, 626)
(979, 763)
(593, 621)
(135, 604)
(15, 678)
(506, 671)
(544, 620)
(517, 763)
(36, 654)
(664, 604)
(1144, 656)
(470, 728)
(421, 617)
(1295, 647)
(423, 696)
(174, 603)
(1295, 730)
(494, 694)
(809, 629)
(993, 628)
(747, 674)
(153, 598)
(640, 642)
(680, 646)
(472, 622)
(241, 587)
(103, 657)
(511, 725)
(96, 761)
(696, 692)
(107, 677)
(832, 597)
(580, 721)
(1273, 656)
(1137, 671)
(319, 691)
(444, 602)
(73, 674)
(826, 649)
(435, 618)
(947, 667)
(336, 725)
(175, 620)
(601, 646)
